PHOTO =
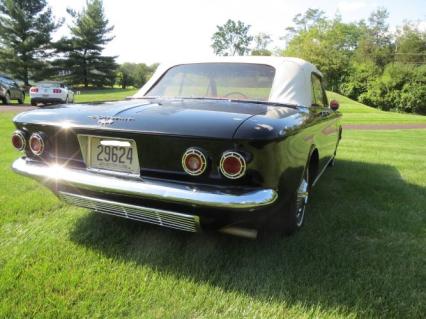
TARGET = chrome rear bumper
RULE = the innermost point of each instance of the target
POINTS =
(164, 192)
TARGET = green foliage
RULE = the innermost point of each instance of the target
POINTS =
(262, 41)
(81, 55)
(232, 38)
(135, 74)
(304, 22)
(375, 43)
(364, 60)
(358, 78)
(410, 45)
(401, 87)
(25, 36)
(329, 45)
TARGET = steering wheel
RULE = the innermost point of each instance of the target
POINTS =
(241, 95)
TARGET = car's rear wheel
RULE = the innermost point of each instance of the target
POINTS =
(33, 103)
(289, 216)
(294, 210)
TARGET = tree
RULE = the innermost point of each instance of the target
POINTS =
(360, 75)
(376, 41)
(410, 45)
(81, 55)
(262, 41)
(124, 73)
(135, 74)
(400, 87)
(364, 60)
(329, 44)
(305, 21)
(232, 38)
(25, 36)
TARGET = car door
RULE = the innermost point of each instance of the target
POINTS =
(2, 85)
(13, 89)
(16, 90)
(327, 132)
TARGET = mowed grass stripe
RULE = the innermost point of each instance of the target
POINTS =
(358, 113)
(362, 252)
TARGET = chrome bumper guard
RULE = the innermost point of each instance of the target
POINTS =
(164, 192)
(165, 218)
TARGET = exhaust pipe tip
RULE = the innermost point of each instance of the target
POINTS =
(240, 232)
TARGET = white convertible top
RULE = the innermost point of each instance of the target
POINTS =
(291, 85)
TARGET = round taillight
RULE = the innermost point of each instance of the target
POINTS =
(18, 140)
(194, 162)
(232, 165)
(36, 144)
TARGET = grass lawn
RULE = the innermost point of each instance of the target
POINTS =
(357, 113)
(361, 254)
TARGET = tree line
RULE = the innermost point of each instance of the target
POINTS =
(363, 60)
(28, 53)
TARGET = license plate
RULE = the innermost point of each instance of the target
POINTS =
(118, 155)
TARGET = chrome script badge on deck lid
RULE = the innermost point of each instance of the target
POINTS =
(108, 120)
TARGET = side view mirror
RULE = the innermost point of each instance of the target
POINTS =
(334, 105)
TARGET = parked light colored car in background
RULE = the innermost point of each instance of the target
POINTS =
(51, 93)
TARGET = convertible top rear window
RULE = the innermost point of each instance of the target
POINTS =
(242, 81)
(48, 84)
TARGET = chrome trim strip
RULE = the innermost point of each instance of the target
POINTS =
(165, 218)
(322, 171)
(161, 191)
(239, 157)
(40, 139)
(202, 157)
(20, 134)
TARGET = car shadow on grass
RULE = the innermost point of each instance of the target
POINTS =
(361, 251)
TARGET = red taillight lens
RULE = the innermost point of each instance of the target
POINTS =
(194, 162)
(57, 90)
(34, 90)
(18, 140)
(232, 165)
(36, 144)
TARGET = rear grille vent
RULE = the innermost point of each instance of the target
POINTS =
(159, 217)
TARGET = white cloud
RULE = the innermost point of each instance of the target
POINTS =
(422, 26)
(351, 6)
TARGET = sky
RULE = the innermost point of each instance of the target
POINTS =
(161, 30)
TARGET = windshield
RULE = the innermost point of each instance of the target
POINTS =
(241, 81)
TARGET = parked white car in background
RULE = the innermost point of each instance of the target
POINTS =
(51, 93)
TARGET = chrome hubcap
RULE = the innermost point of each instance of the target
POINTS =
(302, 200)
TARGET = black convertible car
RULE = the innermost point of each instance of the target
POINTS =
(233, 144)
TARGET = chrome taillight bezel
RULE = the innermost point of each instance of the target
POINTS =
(191, 152)
(240, 158)
(40, 138)
(21, 136)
